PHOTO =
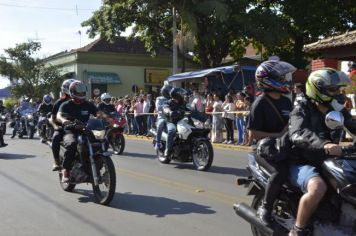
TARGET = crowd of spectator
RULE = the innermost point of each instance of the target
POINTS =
(225, 116)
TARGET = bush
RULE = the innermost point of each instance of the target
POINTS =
(10, 103)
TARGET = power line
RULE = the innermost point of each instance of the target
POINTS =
(46, 8)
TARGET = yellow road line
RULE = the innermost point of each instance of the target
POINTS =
(217, 196)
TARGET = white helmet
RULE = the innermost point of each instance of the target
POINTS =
(106, 98)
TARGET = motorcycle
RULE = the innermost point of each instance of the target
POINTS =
(114, 133)
(45, 128)
(336, 214)
(26, 121)
(191, 143)
(3, 120)
(92, 163)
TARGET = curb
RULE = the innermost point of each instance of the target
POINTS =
(215, 145)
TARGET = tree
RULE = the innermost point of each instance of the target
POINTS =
(29, 75)
(283, 27)
(210, 22)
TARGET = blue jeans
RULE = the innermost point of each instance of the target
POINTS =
(171, 131)
(240, 128)
(161, 125)
(150, 122)
(299, 175)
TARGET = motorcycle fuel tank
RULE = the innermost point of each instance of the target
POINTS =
(341, 174)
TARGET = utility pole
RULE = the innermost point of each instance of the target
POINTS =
(175, 54)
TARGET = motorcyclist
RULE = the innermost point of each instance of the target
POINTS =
(313, 141)
(174, 110)
(2, 110)
(77, 108)
(269, 117)
(43, 109)
(161, 102)
(105, 105)
(58, 129)
(23, 106)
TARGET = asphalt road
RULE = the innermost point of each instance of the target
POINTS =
(151, 198)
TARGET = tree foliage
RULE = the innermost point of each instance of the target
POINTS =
(210, 22)
(29, 76)
(225, 27)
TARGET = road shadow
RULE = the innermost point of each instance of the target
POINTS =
(158, 206)
(139, 155)
(10, 156)
(149, 205)
(214, 169)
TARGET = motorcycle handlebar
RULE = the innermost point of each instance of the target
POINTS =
(349, 152)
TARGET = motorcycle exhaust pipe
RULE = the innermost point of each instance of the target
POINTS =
(249, 214)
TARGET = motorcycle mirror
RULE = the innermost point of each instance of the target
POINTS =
(334, 120)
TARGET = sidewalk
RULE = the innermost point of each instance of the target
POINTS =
(215, 145)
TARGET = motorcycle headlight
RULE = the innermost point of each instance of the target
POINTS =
(99, 134)
(29, 116)
(3, 117)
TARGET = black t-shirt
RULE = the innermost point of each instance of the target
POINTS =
(263, 116)
(80, 111)
(44, 109)
(107, 109)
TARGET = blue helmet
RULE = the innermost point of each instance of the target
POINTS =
(47, 99)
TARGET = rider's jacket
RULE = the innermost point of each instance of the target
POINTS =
(177, 111)
(44, 108)
(309, 133)
(106, 108)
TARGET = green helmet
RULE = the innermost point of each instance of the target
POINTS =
(322, 81)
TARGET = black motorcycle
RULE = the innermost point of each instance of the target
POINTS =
(336, 214)
(45, 128)
(92, 164)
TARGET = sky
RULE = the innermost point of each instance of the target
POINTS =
(54, 23)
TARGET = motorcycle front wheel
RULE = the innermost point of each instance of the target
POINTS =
(31, 132)
(203, 155)
(118, 144)
(104, 192)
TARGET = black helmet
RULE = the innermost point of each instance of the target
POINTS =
(178, 93)
(165, 90)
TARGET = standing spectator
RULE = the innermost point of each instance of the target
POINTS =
(138, 110)
(352, 77)
(197, 103)
(248, 101)
(240, 123)
(151, 109)
(209, 106)
(135, 129)
(128, 116)
(120, 107)
(229, 106)
(217, 124)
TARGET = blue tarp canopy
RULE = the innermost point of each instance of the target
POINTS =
(221, 79)
(206, 72)
(5, 92)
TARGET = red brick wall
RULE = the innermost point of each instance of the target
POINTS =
(320, 63)
(300, 76)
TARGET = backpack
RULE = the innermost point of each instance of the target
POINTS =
(274, 149)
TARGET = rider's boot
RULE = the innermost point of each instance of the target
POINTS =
(167, 152)
(65, 176)
(56, 165)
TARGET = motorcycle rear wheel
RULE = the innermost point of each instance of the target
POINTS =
(104, 192)
(203, 155)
